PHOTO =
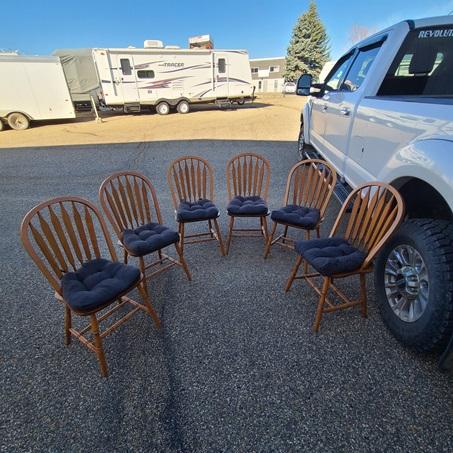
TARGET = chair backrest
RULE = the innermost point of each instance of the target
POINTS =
(248, 174)
(129, 200)
(62, 233)
(377, 210)
(190, 178)
(310, 183)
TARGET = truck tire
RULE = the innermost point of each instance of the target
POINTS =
(2, 126)
(301, 142)
(241, 101)
(163, 108)
(183, 107)
(414, 284)
(18, 121)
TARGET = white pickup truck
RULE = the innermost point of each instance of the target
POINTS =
(385, 112)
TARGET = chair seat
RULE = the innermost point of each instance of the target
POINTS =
(148, 238)
(199, 210)
(252, 205)
(97, 283)
(331, 255)
(297, 215)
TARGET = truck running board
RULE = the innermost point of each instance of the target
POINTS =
(342, 189)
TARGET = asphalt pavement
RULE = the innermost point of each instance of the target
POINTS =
(236, 367)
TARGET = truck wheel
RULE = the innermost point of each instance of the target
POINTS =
(2, 126)
(163, 108)
(241, 101)
(183, 107)
(301, 142)
(18, 121)
(414, 283)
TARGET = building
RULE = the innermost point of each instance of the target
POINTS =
(267, 74)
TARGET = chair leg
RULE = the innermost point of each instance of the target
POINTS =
(363, 295)
(293, 274)
(159, 252)
(230, 234)
(99, 348)
(219, 237)
(143, 271)
(285, 233)
(181, 236)
(318, 232)
(322, 299)
(67, 325)
(210, 228)
(264, 228)
(125, 256)
(147, 304)
(183, 262)
(269, 240)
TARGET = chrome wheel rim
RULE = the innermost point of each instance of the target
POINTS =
(18, 122)
(406, 283)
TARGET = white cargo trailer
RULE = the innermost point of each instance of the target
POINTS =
(167, 77)
(32, 88)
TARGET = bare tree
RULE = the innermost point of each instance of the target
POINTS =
(359, 32)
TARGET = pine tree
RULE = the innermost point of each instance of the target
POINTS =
(308, 49)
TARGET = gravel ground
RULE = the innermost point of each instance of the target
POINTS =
(235, 367)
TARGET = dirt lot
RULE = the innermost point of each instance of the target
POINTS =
(270, 117)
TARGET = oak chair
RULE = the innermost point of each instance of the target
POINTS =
(129, 201)
(309, 189)
(61, 236)
(377, 210)
(248, 177)
(191, 182)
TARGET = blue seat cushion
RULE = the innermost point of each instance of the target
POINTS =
(297, 215)
(199, 210)
(252, 205)
(331, 256)
(148, 238)
(97, 283)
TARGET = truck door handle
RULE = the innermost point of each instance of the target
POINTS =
(344, 111)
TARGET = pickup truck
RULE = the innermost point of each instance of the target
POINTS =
(385, 112)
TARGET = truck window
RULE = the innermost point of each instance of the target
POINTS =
(125, 66)
(334, 78)
(359, 69)
(423, 65)
(142, 74)
(221, 63)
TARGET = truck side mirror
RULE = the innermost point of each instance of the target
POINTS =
(304, 85)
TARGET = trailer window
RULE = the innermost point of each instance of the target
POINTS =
(145, 74)
(125, 66)
(423, 65)
(221, 63)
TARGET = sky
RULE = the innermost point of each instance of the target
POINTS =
(37, 27)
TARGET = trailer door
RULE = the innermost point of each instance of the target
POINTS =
(221, 76)
(124, 78)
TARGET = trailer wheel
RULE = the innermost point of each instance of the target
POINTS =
(414, 284)
(241, 101)
(18, 121)
(183, 107)
(2, 126)
(163, 108)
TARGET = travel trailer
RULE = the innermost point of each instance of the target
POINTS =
(169, 77)
(31, 89)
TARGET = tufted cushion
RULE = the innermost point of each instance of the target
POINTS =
(247, 206)
(148, 238)
(331, 256)
(97, 283)
(199, 210)
(297, 215)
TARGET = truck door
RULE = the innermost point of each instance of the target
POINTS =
(221, 77)
(340, 105)
(124, 78)
(319, 106)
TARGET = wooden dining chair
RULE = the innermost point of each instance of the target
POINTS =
(248, 176)
(191, 182)
(129, 201)
(309, 189)
(355, 239)
(61, 236)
